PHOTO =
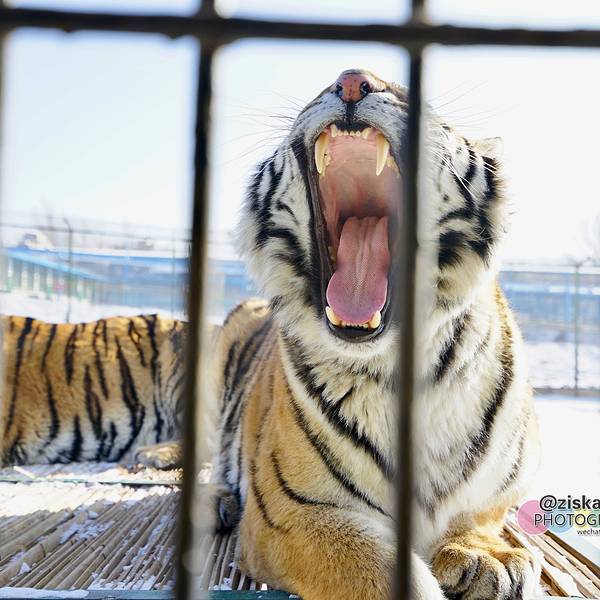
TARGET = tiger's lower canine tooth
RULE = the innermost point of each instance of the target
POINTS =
(320, 149)
(375, 320)
(332, 317)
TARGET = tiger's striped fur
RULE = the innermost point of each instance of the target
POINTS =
(89, 391)
(308, 420)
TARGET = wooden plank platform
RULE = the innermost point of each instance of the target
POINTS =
(99, 527)
(108, 530)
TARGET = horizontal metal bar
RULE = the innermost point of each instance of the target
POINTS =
(219, 30)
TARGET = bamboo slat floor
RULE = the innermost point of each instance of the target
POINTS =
(110, 527)
(99, 526)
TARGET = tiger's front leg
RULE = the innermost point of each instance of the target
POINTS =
(474, 563)
(322, 552)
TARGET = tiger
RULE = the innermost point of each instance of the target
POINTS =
(305, 380)
(98, 391)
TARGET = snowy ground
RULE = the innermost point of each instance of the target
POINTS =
(552, 365)
(23, 304)
(569, 428)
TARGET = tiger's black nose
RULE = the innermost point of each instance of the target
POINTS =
(353, 86)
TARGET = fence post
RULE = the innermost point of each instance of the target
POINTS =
(173, 285)
(70, 272)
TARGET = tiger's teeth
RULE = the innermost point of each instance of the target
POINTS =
(375, 320)
(320, 149)
(334, 130)
(332, 317)
(366, 132)
(383, 149)
(335, 320)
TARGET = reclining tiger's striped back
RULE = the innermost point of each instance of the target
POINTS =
(89, 391)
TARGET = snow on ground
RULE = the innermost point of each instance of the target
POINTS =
(55, 310)
(552, 364)
(569, 428)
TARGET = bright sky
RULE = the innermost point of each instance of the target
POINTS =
(99, 126)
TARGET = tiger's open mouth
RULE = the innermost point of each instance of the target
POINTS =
(357, 190)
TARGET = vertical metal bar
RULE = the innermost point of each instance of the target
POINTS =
(194, 397)
(406, 312)
(2, 43)
(576, 326)
(418, 10)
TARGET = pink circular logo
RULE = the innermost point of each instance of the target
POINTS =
(531, 518)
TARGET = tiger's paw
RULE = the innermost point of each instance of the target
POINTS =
(491, 570)
(167, 455)
(226, 507)
(219, 507)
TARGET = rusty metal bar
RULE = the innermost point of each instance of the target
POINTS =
(405, 379)
(2, 258)
(194, 399)
(216, 29)
(418, 13)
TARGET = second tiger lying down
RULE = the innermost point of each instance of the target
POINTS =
(89, 391)
(307, 400)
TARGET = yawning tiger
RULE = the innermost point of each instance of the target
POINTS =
(307, 401)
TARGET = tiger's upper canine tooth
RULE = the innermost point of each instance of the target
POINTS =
(375, 320)
(320, 149)
(332, 317)
(383, 149)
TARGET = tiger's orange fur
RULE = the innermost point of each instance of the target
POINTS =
(89, 391)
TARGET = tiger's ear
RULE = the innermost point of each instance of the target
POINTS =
(491, 147)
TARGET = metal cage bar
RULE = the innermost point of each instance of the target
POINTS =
(194, 393)
(405, 379)
(213, 31)
(221, 30)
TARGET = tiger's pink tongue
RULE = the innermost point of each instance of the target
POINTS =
(358, 287)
